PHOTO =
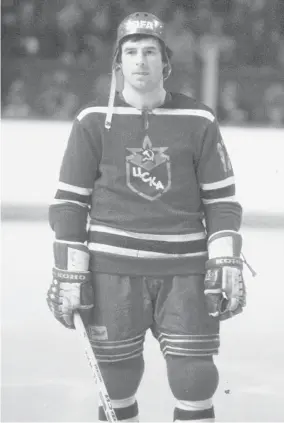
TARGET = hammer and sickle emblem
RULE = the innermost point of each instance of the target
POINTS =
(148, 155)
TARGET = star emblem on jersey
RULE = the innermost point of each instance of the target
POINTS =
(148, 170)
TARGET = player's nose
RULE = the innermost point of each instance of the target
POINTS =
(140, 59)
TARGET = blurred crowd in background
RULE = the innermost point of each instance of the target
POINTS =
(56, 53)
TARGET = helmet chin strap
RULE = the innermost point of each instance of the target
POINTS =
(110, 105)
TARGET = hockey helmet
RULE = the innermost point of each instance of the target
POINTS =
(143, 23)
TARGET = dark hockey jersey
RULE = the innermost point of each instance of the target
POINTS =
(152, 188)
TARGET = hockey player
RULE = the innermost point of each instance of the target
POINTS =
(146, 225)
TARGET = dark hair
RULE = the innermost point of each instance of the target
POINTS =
(166, 52)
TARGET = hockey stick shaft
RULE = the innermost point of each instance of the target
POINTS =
(103, 394)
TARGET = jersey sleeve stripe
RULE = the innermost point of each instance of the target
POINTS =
(63, 241)
(58, 201)
(72, 196)
(218, 193)
(73, 188)
(232, 199)
(219, 184)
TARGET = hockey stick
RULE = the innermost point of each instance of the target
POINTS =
(104, 397)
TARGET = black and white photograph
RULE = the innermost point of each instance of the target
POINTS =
(142, 211)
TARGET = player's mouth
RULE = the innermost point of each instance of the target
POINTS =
(141, 73)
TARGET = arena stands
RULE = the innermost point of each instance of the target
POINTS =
(56, 54)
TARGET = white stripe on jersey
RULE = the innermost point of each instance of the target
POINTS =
(73, 188)
(149, 237)
(185, 112)
(128, 252)
(231, 199)
(57, 201)
(219, 184)
(225, 231)
(116, 110)
(62, 241)
(159, 111)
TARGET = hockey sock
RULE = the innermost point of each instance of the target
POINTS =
(194, 411)
(125, 410)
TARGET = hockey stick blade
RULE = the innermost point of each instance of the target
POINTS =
(103, 394)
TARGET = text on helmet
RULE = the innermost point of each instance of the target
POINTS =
(141, 24)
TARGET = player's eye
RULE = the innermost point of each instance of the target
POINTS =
(150, 52)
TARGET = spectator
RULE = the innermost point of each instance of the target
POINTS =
(101, 87)
(10, 37)
(181, 41)
(70, 23)
(274, 104)
(56, 101)
(16, 102)
(281, 53)
(230, 110)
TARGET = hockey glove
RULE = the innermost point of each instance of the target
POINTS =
(225, 291)
(71, 287)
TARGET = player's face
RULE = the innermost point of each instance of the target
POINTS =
(141, 64)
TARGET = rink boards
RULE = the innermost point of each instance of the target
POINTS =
(32, 153)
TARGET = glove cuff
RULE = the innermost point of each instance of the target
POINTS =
(73, 256)
(224, 261)
(224, 244)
